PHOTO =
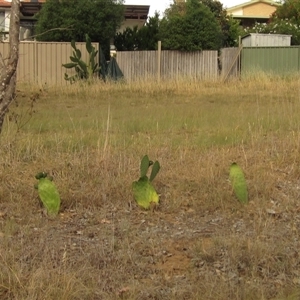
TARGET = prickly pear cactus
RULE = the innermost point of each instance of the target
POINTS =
(155, 170)
(83, 70)
(145, 163)
(143, 191)
(48, 194)
(239, 183)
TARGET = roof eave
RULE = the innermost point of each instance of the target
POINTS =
(232, 8)
(249, 17)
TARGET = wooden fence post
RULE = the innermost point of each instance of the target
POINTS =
(239, 63)
(158, 60)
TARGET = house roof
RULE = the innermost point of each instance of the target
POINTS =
(136, 11)
(4, 4)
(265, 34)
(252, 17)
(24, 3)
(242, 5)
(29, 8)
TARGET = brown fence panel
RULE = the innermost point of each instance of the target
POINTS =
(42, 62)
(27, 65)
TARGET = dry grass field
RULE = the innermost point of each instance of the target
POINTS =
(200, 243)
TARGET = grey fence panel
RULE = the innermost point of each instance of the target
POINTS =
(174, 64)
(229, 62)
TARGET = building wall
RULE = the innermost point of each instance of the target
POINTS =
(131, 23)
(237, 12)
(259, 9)
(7, 19)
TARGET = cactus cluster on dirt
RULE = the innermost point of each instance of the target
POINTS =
(144, 192)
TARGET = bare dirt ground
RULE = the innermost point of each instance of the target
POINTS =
(112, 253)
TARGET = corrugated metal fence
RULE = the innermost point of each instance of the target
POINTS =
(277, 60)
(42, 62)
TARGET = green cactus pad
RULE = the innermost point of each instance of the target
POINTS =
(78, 53)
(49, 196)
(70, 65)
(74, 59)
(144, 193)
(155, 170)
(144, 166)
(239, 183)
(88, 44)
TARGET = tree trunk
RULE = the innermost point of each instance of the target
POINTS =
(8, 69)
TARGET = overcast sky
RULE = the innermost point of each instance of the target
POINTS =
(161, 5)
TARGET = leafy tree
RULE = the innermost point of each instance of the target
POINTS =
(277, 26)
(290, 9)
(285, 20)
(230, 27)
(190, 26)
(127, 40)
(66, 20)
(145, 38)
(148, 35)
